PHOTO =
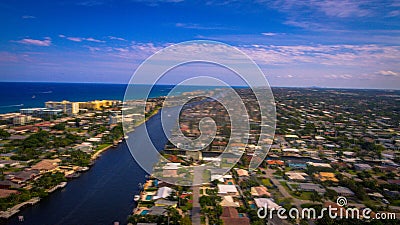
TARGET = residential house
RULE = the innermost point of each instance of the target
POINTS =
(231, 216)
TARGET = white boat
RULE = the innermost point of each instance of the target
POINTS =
(82, 169)
(136, 198)
(62, 184)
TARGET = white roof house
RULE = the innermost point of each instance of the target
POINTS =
(217, 177)
(266, 202)
(163, 192)
(227, 201)
(227, 189)
(296, 175)
(291, 150)
(172, 166)
(325, 165)
(94, 139)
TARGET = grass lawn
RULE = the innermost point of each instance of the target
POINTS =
(206, 176)
(102, 146)
(266, 182)
(304, 195)
(352, 172)
(395, 202)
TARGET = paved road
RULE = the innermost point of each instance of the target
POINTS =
(299, 202)
(197, 179)
(295, 201)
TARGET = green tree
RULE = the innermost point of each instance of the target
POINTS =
(4, 134)
(59, 126)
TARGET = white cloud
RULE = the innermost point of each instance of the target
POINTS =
(29, 41)
(116, 38)
(340, 55)
(93, 40)
(269, 34)
(80, 39)
(338, 76)
(285, 76)
(76, 39)
(387, 73)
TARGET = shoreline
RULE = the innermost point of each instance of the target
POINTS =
(98, 152)
(17, 208)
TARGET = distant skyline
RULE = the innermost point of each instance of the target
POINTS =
(341, 44)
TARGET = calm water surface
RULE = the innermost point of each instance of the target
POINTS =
(102, 195)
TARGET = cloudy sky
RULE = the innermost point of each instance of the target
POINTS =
(341, 43)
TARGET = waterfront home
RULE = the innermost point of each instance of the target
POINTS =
(157, 211)
(166, 203)
(86, 147)
(6, 184)
(46, 165)
(22, 176)
(163, 193)
(4, 193)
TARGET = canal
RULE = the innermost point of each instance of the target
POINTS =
(102, 195)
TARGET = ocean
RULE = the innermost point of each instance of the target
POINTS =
(18, 95)
(105, 193)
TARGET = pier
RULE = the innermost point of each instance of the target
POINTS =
(10, 212)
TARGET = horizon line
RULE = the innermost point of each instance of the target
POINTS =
(272, 86)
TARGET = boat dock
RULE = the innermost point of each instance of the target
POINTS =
(10, 212)
(61, 185)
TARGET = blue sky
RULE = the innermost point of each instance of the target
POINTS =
(340, 43)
